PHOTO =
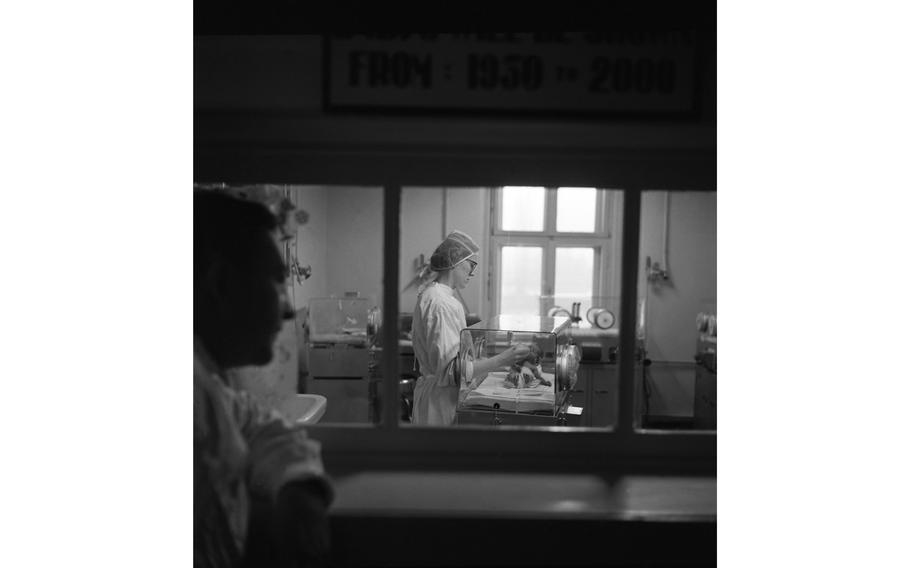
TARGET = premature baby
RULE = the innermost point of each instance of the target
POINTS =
(526, 374)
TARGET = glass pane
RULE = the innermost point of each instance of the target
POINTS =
(427, 214)
(343, 368)
(523, 208)
(676, 373)
(574, 278)
(576, 209)
(322, 362)
(521, 280)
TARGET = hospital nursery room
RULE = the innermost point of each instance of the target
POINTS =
(502, 284)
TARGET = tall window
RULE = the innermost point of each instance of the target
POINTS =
(553, 247)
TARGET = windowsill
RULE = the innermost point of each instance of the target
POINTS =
(510, 495)
(459, 518)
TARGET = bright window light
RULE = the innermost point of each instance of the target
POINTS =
(523, 208)
(576, 209)
(574, 277)
(521, 279)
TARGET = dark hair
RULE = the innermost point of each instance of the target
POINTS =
(228, 228)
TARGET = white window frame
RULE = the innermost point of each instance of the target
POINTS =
(606, 274)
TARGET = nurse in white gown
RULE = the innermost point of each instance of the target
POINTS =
(438, 320)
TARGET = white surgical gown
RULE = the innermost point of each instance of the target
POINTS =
(438, 321)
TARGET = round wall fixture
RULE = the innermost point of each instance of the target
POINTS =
(589, 315)
(600, 317)
(604, 319)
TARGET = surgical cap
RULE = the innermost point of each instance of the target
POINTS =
(456, 248)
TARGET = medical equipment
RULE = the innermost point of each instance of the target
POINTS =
(601, 317)
(488, 399)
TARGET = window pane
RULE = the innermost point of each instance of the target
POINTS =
(576, 209)
(521, 274)
(322, 350)
(427, 214)
(677, 291)
(523, 208)
(574, 277)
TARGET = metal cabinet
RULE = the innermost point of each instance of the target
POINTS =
(340, 374)
(596, 392)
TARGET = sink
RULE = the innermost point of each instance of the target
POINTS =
(304, 408)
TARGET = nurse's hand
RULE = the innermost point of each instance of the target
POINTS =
(515, 354)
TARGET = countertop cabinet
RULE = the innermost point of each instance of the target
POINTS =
(596, 392)
(341, 374)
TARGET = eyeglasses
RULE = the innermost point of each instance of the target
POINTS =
(473, 267)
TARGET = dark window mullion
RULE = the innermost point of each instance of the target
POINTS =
(390, 260)
(631, 224)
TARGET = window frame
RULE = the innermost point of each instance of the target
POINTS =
(388, 444)
(549, 226)
(601, 240)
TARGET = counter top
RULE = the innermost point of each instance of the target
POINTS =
(459, 518)
(526, 495)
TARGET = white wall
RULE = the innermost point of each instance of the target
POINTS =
(311, 239)
(341, 241)
(468, 210)
(354, 242)
(691, 288)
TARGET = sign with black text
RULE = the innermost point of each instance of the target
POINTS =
(590, 72)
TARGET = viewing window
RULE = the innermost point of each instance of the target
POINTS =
(552, 253)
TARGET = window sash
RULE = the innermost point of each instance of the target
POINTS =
(549, 239)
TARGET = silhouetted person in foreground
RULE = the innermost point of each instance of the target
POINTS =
(260, 494)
